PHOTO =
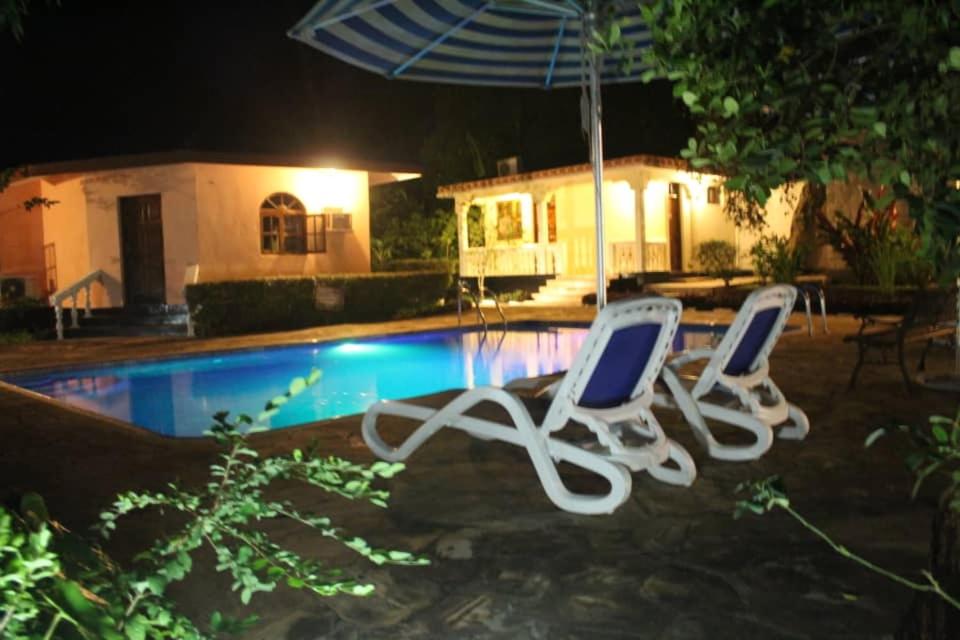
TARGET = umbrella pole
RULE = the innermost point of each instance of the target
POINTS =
(596, 158)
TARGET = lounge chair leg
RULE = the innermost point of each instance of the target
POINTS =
(543, 450)
(861, 353)
(800, 427)
(683, 475)
(761, 430)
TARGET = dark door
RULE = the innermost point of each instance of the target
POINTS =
(674, 211)
(141, 241)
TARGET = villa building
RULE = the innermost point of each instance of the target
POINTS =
(656, 212)
(146, 224)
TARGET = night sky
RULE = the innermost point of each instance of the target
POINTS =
(93, 78)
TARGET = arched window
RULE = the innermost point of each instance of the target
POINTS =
(285, 226)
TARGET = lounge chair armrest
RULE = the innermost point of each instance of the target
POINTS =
(686, 357)
(538, 387)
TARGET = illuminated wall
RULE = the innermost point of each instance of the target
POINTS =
(229, 198)
(211, 217)
(21, 234)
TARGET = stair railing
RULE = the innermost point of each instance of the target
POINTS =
(806, 292)
(462, 288)
(73, 291)
(496, 303)
(191, 275)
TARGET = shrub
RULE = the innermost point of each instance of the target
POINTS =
(718, 258)
(774, 259)
(26, 315)
(15, 337)
(54, 584)
(278, 304)
(420, 264)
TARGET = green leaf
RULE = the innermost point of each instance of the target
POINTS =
(940, 434)
(874, 436)
(216, 619)
(736, 183)
(824, 174)
(136, 627)
(730, 106)
(297, 385)
(689, 98)
(953, 58)
(361, 589)
(905, 178)
(614, 37)
(880, 128)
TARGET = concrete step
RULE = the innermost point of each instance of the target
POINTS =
(152, 320)
(105, 331)
(561, 301)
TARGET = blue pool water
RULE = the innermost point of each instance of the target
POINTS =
(176, 396)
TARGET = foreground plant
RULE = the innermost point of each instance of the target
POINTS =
(935, 452)
(769, 494)
(53, 584)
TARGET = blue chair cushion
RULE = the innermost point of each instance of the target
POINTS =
(623, 361)
(744, 356)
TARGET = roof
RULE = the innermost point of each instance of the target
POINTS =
(207, 157)
(664, 162)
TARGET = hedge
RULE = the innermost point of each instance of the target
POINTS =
(421, 264)
(278, 304)
(34, 317)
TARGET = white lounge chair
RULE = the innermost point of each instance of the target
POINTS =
(609, 389)
(738, 371)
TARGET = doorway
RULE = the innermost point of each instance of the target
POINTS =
(675, 217)
(141, 245)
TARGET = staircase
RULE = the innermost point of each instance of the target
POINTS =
(565, 291)
(141, 320)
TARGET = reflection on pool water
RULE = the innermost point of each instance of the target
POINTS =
(176, 396)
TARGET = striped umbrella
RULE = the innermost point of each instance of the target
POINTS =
(517, 43)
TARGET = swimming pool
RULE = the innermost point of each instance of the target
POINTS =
(176, 396)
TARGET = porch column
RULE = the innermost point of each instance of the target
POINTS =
(461, 204)
(545, 261)
(639, 185)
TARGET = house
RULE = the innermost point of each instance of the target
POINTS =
(656, 212)
(146, 223)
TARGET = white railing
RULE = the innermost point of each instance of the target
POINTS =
(73, 291)
(191, 275)
(655, 256)
(625, 258)
(513, 261)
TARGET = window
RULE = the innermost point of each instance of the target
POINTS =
(50, 266)
(509, 221)
(713, 195)
(285, 227)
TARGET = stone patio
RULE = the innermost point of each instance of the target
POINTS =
(669, 564)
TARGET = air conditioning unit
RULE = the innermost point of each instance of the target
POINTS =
(508, 166)
(339, 222)
(17, 287)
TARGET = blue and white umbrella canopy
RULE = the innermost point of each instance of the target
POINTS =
(509, 43)
(521, 43)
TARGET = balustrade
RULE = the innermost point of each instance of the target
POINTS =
(72, 293)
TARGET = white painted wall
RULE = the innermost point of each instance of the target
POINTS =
(65, 225)
(631, 191)
(211, 217)
(176, 185)
(229, 199)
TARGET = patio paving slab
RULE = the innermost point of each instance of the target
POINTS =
(671, 563)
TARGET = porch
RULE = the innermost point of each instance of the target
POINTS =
(561, 258)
